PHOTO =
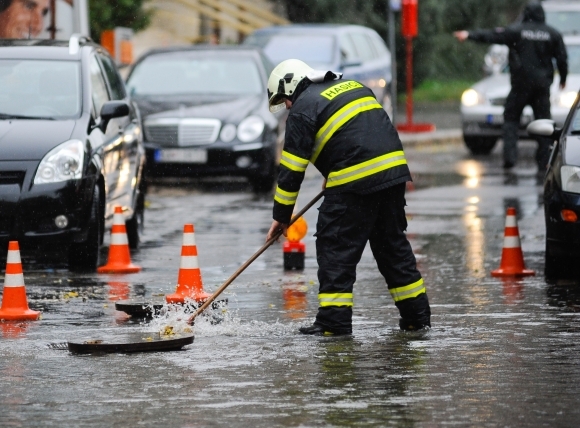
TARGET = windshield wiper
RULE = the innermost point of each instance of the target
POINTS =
(19, 116)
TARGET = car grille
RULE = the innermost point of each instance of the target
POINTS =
(11, 177)
(182, 132)
(162, 134)
(497, 101)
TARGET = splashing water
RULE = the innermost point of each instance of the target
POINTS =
(214, 321)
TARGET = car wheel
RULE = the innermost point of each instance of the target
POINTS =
(135, 224)
(480, 145)
(263, 183)
(84, 256)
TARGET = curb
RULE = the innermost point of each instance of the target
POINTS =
(439, 137)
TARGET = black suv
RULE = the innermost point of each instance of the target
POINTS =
(71, 148)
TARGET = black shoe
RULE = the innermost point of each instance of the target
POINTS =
(317, 330)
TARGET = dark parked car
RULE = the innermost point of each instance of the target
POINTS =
(562, 194)
(205, 113)
(70, 150)
(357, 51)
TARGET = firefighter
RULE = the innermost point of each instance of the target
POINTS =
(340, 128)
(532, 47)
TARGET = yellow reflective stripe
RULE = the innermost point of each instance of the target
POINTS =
(408, 291)
(293, 162)
(366, 168)
(338, 119)
(335, 299)
(340, 88)
(284, 197)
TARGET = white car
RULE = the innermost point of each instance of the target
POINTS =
(482, 105)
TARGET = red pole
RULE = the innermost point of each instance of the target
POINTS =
(409, 73)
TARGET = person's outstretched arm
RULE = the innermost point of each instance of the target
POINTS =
(500, 36)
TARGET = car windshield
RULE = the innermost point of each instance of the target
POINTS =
(314, 50)
(566, 22)
(36, 88)
(573, 59)
(195, 73)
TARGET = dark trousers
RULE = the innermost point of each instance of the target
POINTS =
(521, 95)
(346, 222)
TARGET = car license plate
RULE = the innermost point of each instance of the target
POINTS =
(495, 119)
(180, 156)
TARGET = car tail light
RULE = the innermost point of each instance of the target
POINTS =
(569, 216)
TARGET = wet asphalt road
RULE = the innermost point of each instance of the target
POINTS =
(501, 353)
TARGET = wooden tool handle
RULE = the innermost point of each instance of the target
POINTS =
(251, 260)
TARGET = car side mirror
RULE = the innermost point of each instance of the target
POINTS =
(543, 128)
(111, 110)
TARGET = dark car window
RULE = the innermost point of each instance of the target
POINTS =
(40, 88)
(196, 73)
(312, 49)
(575, 125)
(363, 46)
(99, 87)
(268, 66)
(573, 59)
(115, 83)
(347, 49)
(379, 46)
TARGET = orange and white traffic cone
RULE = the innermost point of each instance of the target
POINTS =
(189, 284)
(119, 256)
(512, 258)
(14, 301)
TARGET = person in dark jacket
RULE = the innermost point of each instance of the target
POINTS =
(341, 129)
(532, 47)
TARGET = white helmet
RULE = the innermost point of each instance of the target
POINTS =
(283, 81)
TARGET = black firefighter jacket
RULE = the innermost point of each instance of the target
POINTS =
(532, 46)
(341, 128)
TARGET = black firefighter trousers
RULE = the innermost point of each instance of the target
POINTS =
(346, 222)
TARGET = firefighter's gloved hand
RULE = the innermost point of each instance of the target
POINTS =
(276, 226)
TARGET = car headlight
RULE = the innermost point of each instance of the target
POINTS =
(570, 178)
(471, 97)
(566, 99)
(228, 133)
(64, 162)
(250, 128)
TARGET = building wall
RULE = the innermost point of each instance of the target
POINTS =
(174, 23)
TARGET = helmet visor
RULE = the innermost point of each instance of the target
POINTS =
(276, 102)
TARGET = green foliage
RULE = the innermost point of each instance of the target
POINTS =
(437, 55)
(439, 90)
(108, 14)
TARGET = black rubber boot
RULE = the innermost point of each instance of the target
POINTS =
(407, 325)
(318, 330)
(415, 313)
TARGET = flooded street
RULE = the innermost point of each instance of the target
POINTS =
(502, 352)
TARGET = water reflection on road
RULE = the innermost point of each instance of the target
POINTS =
(503, 352)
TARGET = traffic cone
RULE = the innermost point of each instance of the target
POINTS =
(14, 301)
(294, 249)
(119, 256)
(189, 284)
(512, 258)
